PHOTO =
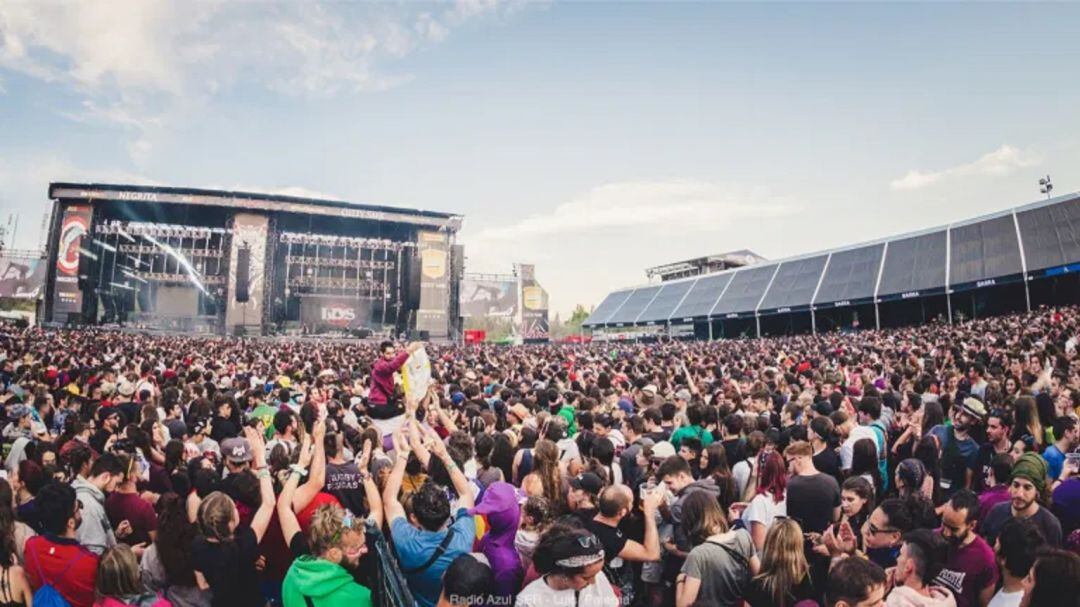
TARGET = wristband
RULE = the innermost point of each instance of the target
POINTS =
(263, 473)
(296, 468)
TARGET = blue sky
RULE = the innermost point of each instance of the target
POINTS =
(593, 139)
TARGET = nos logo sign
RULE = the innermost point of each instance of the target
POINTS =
(338, 315)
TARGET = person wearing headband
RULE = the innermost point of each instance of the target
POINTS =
(570, 562)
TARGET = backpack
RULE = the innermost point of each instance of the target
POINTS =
(48, 595)
(883, 453)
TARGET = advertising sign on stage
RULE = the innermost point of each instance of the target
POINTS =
(329, 313)
(68, 298)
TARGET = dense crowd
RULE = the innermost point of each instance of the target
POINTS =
(932, 465)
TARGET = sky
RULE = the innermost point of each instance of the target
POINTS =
(591, 139)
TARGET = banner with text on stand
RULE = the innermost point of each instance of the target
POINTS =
(534, 308)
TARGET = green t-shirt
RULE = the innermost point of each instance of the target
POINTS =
(265, 413)
(697, 432)
(567, 413)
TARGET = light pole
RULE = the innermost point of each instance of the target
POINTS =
(1045, 187)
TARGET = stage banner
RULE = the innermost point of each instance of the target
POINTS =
(488, 298)
(251, 231)
(434, 249)
(67, 298)
(22, 278)
(330, 313)
(534, 310)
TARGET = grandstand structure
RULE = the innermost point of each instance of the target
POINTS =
(1011, 260)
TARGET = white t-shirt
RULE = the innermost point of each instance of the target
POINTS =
(1006, 599)
(597, 594)
(741, 473)
(857, 433)
(763, 509)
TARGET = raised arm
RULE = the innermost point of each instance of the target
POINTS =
(317, 473)
(262, 517)
(371, 490)
(461, 484)
(289, 525)
(416, 443)
(391, 506)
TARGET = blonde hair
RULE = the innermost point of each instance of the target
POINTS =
(117, 573)
(328, 525)
(215, 516)
(783, 563)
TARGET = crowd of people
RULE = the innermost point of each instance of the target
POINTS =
(934, 465)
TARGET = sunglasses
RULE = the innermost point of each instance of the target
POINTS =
(874, 529)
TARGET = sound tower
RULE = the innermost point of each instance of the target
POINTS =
(243, 269)
(411, 288)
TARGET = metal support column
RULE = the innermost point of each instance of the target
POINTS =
(948, 263)
(877, 286)
(1023, 261)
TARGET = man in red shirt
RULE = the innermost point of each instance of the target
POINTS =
(125, 504)
(56, 557)
(381, 403)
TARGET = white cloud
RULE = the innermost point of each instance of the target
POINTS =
(606, 236)
(24, 183)
(1001, 162)
(137, 61)
(289, 190)
(660, 207)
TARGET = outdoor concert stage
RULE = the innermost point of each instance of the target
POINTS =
(208, 261)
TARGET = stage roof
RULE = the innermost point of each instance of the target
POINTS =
(252, 201)
(1024, 242)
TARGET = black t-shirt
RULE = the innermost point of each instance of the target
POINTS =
(811, 500)
(757, 596)
(985, 461)
(659, 435)
(222, 428)
(586, 515)
(99, 438)
(733, 449)
(828, 462)
(611, 538)
(343, 482)
(298, 546)
(229, 569)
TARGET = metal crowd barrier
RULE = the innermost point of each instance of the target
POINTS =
(388, 588)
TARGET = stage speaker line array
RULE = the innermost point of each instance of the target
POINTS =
(243, 271)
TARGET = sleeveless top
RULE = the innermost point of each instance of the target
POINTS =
(6, 599)
(524, 466)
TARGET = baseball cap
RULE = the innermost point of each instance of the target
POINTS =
(126, 388)
(236, 450)
(200, 426)
(649, 389)
(663, 450)
(683, 394)
(588, 482)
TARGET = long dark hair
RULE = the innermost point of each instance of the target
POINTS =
(717, 468)
(933, 415)
(173, 542)
(502, 456)
(864, 460)
(7, 525)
